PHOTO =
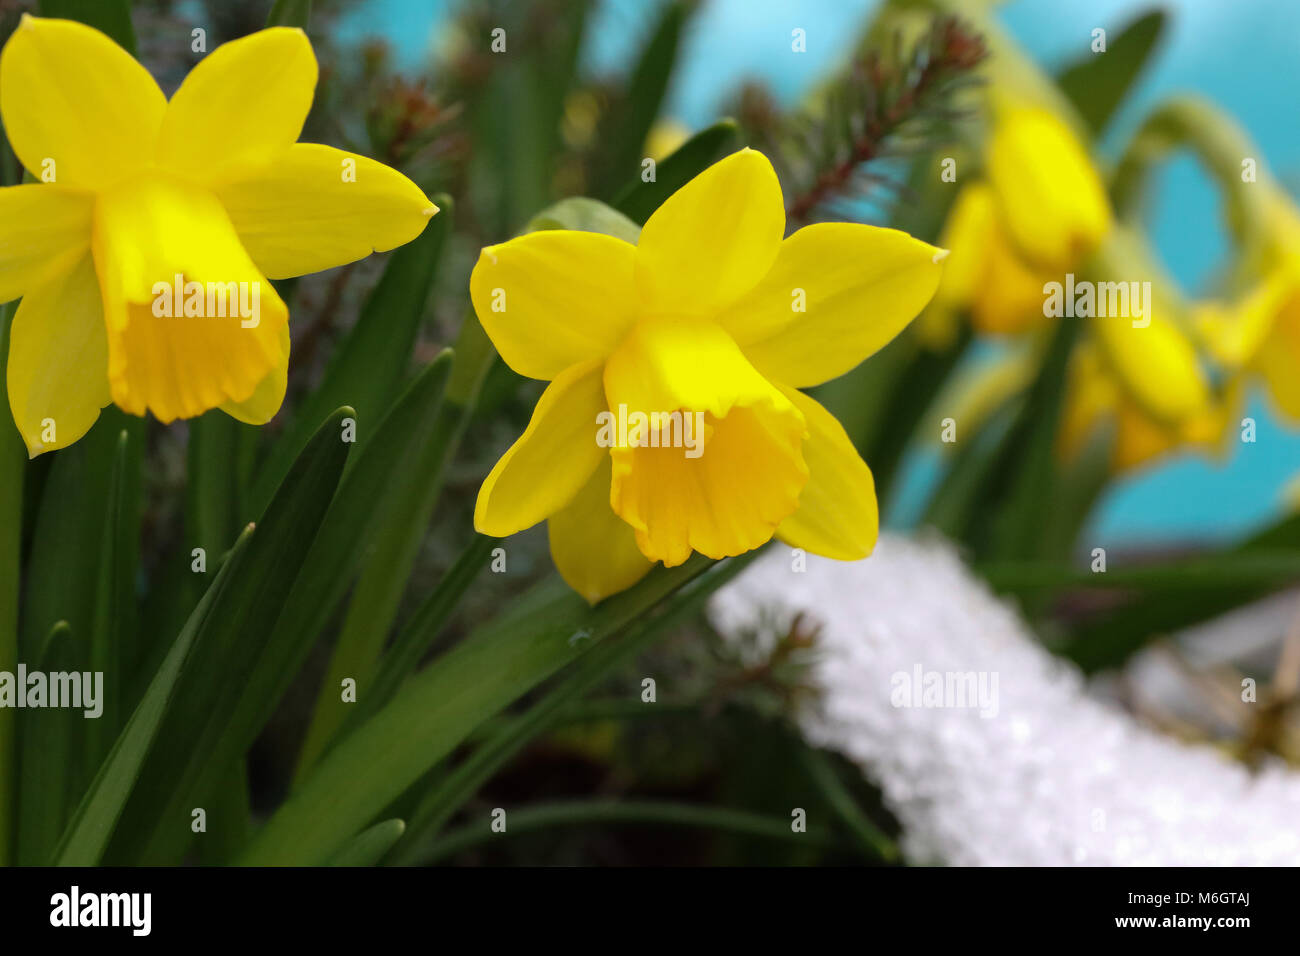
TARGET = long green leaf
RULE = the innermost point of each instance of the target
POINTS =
(419, 446)
(639, 199)
(91, 827)
(1098, 82)
(51, 758)
(13, 458)
(370, 846)
(439, 707)
(112, 595)
(228, 667)
(441, 802)
(290, 13)
(623, 134)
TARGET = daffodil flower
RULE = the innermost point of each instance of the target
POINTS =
(1039, 213)
(1259, 333)
(710, 314)
(135, 195)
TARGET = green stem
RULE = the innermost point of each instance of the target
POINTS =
(594, 812)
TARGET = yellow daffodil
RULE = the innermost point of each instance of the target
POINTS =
(1096, 393)
(1039, 213)
(150, 219)
(1259, 334)
(713, 317)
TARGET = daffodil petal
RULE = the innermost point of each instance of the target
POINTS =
(593, 549)
(240, 106)
(178, 365)
(837, 293)
(77, 108)
(1049, 194)
(315, 207)
(58, 360)
(556, 298)
(713, 239)
(1278, 361)
(44, 231)
(837, 515)
(728, 471)
(1156, 364)
(551, 461)
(260, 407)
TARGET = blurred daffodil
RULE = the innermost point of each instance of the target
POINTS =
(1039, 213)
(1095, 394)
(151, 219)
(713, 317)
(1259, 333)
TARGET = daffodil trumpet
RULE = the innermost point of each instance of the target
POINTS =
(710, 314)
(142, 252)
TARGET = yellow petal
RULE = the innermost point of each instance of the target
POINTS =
(1140, 439)
(713, 239)
(593, 549)
(58, 360)
(1157, 365)
(727, 470)
(146, 234)
(260, 407)
(44, 231)
(315, 207)
(552, 299)
(551, 461)
(1049, 195)
(1010, 299)
(240, 106)
(70, 95)
(860, 286)
(1278, 361)
(837, 514)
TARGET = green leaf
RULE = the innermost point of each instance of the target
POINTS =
(624, 131)
(585, 215)
(115, 591)
(290, 13)
(1254, 568)
(227, 681)
(590, 813)
(413, 642)
(412, 447)
(1097, 83)
(13, 459)
(372, 363)
(108, 16)
(370, 846)
(1028, 477)
(92, 825)
(877, 845)
(439, 707)
(51, 758)
(441, 802)
(639, 199)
